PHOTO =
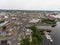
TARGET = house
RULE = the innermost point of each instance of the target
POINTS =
(27, 34)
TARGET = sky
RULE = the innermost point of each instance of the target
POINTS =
(30, 4)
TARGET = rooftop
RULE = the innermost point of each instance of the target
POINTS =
(34, 21)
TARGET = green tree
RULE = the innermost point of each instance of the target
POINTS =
(33, 28)
(34, 41)
(26, 41)
(37, 35)
(48, 21)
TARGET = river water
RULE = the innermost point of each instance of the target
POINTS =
(55, 34)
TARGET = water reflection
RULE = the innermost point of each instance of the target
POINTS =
(56, 34)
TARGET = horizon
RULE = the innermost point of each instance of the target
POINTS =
(30, 10)
(30, 5)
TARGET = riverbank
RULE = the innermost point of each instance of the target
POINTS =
(55, 36)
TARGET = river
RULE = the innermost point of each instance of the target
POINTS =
(55, 34)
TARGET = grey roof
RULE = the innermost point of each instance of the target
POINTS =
(44, 27)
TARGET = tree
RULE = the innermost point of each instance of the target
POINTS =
(33, 28)
(49, 21)
(26, 41)
(36, 35)
(1, 21)
(3, 28)
(34, 41)
(36, 38)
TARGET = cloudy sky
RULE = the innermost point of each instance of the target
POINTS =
(30, 4)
